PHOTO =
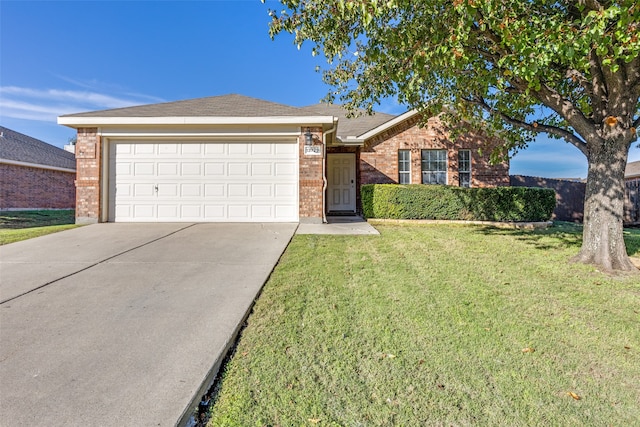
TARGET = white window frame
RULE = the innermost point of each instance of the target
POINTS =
(461, 171)
(401, 171)
(438, 173)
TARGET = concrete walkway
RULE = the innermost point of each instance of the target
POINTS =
(121, 324)
(339, 225)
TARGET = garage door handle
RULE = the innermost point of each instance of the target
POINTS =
(155, 187)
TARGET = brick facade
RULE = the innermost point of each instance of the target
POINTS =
(26, 187)
(311, 181)
(89, 167)
(376, 162)
(379, 156)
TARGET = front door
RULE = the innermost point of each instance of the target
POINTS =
(341, 182)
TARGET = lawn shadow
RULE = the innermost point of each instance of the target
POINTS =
(567, 234)
(36, 218)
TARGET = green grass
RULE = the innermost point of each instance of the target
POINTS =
(22, 225)
(426, 325)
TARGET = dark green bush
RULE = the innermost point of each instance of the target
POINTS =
(457, 203)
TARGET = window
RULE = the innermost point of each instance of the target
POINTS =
(434, 167)
(404, 166)
(464, 168)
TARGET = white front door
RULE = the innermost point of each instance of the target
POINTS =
(341, 185)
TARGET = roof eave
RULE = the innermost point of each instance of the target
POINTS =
(84, 121)
(387, 125)
(350, 141)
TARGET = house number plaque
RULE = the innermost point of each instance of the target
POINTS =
(312, 150)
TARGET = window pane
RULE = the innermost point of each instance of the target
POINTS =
(434, 166)
(464, 168)
(404, 166)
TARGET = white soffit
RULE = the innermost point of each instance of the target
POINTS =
(72, 121)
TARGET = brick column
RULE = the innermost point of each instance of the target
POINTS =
(88, 172)
(311, 183)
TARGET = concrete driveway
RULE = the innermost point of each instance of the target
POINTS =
(121, 324)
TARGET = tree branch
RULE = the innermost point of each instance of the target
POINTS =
(600, 90)
(636, 123)
(591, 4)
(533, 127)
(567, 110)
(576, 75)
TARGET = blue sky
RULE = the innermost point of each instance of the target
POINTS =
(60, 57)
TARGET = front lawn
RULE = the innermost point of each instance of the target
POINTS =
(438, 325)
(22, 225)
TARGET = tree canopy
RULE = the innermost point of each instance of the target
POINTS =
(513, 68)
(535, 66)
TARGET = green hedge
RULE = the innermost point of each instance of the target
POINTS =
(457, 203)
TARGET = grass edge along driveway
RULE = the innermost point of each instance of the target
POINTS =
(438, 325)
(22, 225)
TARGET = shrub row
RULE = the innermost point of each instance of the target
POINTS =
(417, 201)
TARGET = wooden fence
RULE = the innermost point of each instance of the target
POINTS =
(632, 201)
(570, 197)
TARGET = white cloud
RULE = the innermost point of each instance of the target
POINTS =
(47, 104)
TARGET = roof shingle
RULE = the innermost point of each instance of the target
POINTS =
(354, 126)
(235, 105)
(232, 105)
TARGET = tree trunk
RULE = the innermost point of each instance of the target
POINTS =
(602, 239)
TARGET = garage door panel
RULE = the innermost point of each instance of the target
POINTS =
(236, 181)
(215, 150)
(261, 190)
(168, 149)
(238, 148)
(143, 190)
(214, 190)
(214, 212)
(238, 190)
(190, 190)
(143, 211)
(238, 212)
(261, 211)
(191, 149)
(288, 150)
(143, 148)
(140, 168)
(285, 190)
(238, 169)
(168, 169)
(262, 149)
(191, 169)
(285, 169)
(167, 190)
(261, 169)
(167, 212)
(214, 169)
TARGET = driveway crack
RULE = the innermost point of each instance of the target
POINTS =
(96, 263)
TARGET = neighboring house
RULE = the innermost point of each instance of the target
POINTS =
(34, 174)
(237, 159)
(632, 193)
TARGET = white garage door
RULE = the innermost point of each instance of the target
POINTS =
(203, 181)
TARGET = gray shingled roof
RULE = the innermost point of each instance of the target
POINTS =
(349, 126)
(234, 105)
(632, 169)
(213, 106)
(18, 147)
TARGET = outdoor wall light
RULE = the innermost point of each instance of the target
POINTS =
(308, 137)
